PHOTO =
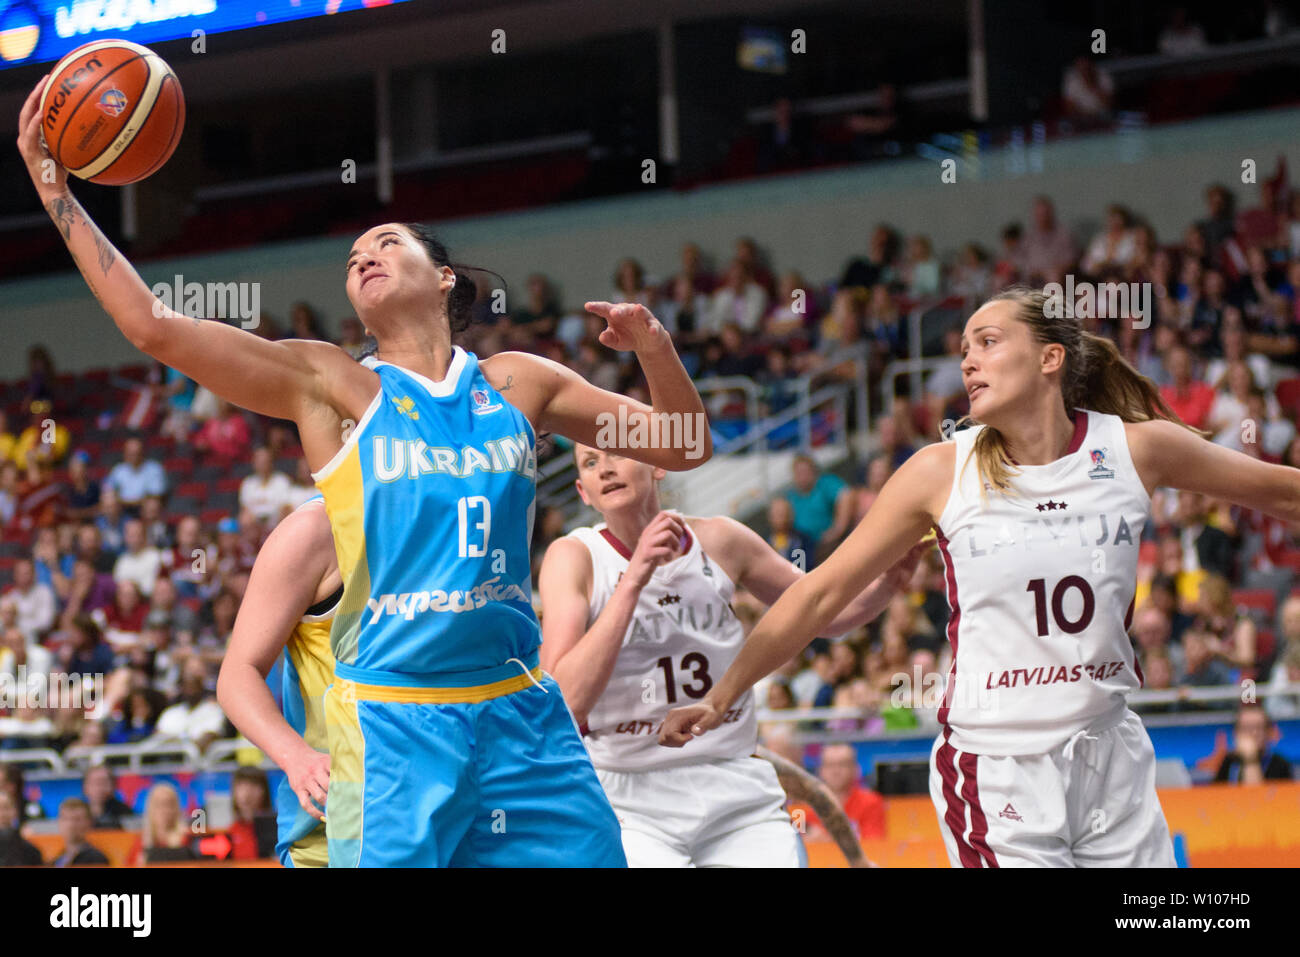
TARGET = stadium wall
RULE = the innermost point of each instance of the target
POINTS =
(812, 222)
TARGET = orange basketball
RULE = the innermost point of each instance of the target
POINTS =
(112, 112)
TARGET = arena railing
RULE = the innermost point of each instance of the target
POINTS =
(135, 754)
(1136, 701)
(46, 756)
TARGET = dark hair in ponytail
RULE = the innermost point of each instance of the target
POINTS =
(460, 301)
(1094, 376)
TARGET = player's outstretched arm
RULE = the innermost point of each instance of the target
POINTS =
(799, 785)
(581, 659)
(907, 506)
(672, 432)
(1168, 455)
(271, 378)
(766, 574)
(294, 566)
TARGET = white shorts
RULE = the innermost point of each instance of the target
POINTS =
(724, 813)
(1090, 802)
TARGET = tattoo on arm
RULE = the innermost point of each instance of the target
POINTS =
(64, 214)
(510, 381)
(799, 785)
(103, 249)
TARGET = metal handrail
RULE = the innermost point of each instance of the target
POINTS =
(134, 753)
(25, 755)
(219, 751)
(1135, 699)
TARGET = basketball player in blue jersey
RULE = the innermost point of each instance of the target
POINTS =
(1038, 512)
(286, 612)
(447, 743)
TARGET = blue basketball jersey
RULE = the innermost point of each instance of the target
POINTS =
(431, 503)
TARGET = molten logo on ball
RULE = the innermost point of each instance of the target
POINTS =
(112, 102)
(65, 89)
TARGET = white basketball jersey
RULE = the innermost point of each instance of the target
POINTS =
(683, 637)
(1041, 588)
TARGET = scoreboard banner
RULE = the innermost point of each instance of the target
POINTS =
(39, 31)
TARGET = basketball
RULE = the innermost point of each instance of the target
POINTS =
(112, 112)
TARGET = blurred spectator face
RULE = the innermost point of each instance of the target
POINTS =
(224, 609)
(109, 504)
(779, 697)
(133, 534)
(88, 541)
(128, 596)
(1171, 556)
(1159, 673)
(8, 811)
(24, 574)
(791, 282)
(1216, 201)
(249, 798)
(77, 470)
(840, 769)
(1214, 284)
(553, 522)
(1291, 620)
(98, 785)
(843, 662)
(1240, 379)
(1179, 363)
(732, 339)
(187, 532)
(878, 473)
(778, 363)
(151, 509)
(1151, 628)
(1253, 725)
(690, 259)
(133, 452)
(352, 330)
(804, 473)
(164, 593)
(9, 477)
(628, 277)
(1116, 221)
(1195, 650)
(780, 515)
(825, 670)
(747, 252)
(74, 824)
(878, 246)
(1194, 244)
(1191, 508)
(262, 461)
(1043, 213)
(164, 808)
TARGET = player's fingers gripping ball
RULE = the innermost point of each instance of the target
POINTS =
(112, 112)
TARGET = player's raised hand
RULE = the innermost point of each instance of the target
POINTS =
(660, 542)
(48, 176)
(688, 722)
(630, 326)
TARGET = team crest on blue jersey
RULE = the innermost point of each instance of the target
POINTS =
(1099, 469)
(482, 404)
(112, 102)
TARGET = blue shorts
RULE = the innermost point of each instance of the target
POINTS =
(422, 777)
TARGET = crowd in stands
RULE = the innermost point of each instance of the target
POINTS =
(133, 504)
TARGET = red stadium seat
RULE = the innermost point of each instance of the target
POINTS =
(228, 484)
(210, 516)
(178, 465)
(197, 490)
(1288, 394)
(1259, 599)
